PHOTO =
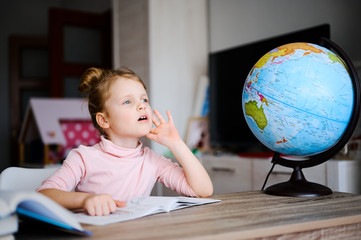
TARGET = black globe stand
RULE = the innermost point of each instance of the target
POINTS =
(298, 186)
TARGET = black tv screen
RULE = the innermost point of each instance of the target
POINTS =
(228, 70)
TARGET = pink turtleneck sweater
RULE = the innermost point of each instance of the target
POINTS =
(123, 173)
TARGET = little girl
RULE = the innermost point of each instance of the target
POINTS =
(102, 177)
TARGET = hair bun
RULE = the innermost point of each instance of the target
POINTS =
(88, 79)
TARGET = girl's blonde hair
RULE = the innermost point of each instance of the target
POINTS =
(95, 84)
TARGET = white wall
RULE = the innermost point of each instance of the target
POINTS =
(178, 56)
(236, 22)
(168, 49)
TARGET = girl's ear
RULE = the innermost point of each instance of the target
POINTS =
(102, 120)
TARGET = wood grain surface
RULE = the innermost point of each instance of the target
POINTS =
(247, 215)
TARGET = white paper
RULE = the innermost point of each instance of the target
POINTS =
(143, 206)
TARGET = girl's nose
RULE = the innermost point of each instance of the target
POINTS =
(141, 106)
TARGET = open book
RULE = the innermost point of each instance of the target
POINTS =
(143, 206)
(35, 206)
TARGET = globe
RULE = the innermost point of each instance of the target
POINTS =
(298, 99)
(302, 101)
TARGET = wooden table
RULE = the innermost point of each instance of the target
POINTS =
(247, 215)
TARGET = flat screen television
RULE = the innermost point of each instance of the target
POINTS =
(228, 70)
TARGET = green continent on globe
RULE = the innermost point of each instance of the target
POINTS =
(256, 113)
(334, 59)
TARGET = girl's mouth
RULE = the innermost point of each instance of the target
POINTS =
(143, 118)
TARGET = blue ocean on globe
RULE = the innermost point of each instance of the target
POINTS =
(298, 99)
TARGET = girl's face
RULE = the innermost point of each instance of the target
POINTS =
(127, 115)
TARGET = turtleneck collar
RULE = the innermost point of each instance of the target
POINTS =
(109, 147)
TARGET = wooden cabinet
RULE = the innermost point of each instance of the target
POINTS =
(344, 175)
(229, 173)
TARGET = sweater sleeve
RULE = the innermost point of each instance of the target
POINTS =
(172, 175)
(68, 175)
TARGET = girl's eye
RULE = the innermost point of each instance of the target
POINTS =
(126, 102)
(145, 100)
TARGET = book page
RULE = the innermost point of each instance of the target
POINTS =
(143, 206)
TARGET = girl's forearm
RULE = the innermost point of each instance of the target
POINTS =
(197, 177)
(69, 200)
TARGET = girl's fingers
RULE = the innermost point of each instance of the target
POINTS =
(155, 121)
(170, 118)
(159, 116)
(105, 210)
(99, 210)
(91, 211)
(120, 203)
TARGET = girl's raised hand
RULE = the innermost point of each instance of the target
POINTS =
(164, 133)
